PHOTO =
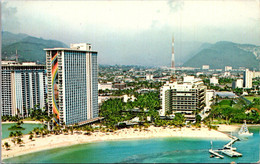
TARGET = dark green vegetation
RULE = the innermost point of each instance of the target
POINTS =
(16, 137)
(34, 114)
(222, 81)
(28, 48)
(17, 126)
(224, 53)
(115, 110)
(235, 111)
(133, 91)
(10, 118)
(145, 106)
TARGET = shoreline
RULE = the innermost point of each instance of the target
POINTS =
(25, 122)
(62, 140)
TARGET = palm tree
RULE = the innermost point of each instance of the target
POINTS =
(36, 131)
(19, 141)
(41, 131)
(19, 134)
(11, 134)
(31, 137)
(71, 130)
(6, 145)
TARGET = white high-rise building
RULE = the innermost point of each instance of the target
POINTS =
(72, 83)
(23, 87)
(183, 98)
(247, 79)
(248, 76)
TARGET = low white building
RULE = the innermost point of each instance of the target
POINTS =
(199, 73)
(205, 66)
(219, 70)
(129, 98)
(237, 84)
(188, 78)
(149, 77)
(228, 68)
(104, 86)
(227, 74)
(213, 80)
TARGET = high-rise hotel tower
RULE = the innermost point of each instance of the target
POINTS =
(23, 87)
(72, 83)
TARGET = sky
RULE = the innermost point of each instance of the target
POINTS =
(136, 32)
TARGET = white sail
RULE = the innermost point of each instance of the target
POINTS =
(244, 131)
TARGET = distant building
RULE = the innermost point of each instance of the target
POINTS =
(228, 68)
(210, 95)
(183, 98)
(149, 77)
(213, 80)
(237, 83)
(129, 98)
(219, 70)
(119, 85)
(23, 87)
(104, 86)
(248, 76)
(72, 83)
(188, 78)
(227, 74)
(205, 66)
(226, 94)
(199, 73)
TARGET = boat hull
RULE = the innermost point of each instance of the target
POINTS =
(245, 134)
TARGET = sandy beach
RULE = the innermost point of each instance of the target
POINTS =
(228, 128)
(54, 141)
(25, 122)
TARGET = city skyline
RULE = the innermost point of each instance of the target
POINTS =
(136, 32)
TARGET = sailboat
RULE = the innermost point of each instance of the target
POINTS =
(244, 131)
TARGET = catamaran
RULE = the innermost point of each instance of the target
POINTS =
(244, 131)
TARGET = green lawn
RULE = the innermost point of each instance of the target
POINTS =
(251, 98)
(225, 102)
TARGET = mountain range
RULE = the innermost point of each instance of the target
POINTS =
(28, 48)
(225, 53)
(216, 55)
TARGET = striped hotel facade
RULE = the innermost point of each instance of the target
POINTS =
(72, 84)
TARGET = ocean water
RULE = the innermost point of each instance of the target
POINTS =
(156, 150)
(28, 128)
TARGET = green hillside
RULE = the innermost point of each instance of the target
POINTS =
(223, 54)
(9, 38)
(28, 48)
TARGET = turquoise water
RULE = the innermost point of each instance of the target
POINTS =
(28, 128)
(157, 150)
